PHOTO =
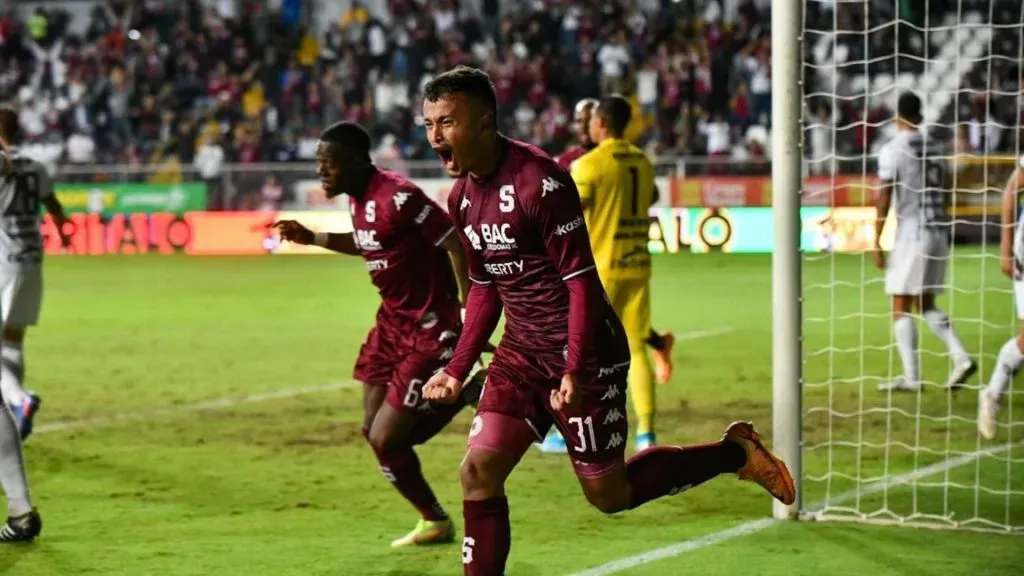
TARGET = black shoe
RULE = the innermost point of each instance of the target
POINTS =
(474, 387)
(22, 528)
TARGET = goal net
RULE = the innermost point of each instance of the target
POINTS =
(906, 457)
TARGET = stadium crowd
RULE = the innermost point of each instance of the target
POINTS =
(207, 82)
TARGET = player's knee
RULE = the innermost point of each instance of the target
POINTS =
(479, 479)
(608, 501)
(382, 441)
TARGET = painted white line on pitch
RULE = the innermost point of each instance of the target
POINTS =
(232, 401)
(215, 404)
(754, 526)
(698, 334)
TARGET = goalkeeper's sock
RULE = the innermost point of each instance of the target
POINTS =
(641, 391)
(1008, 363)
(402, 468)
(655, 340)
(488, 536)
(941, 326)
(12, 467)
(664, 470)
(12, 373)
(905, 332)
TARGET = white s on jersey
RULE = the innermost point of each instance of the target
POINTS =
(919, 173)
(22, 190)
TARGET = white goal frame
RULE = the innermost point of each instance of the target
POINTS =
(787, 291)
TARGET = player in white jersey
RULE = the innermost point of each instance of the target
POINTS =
(24, 190)
(24, 187)
(913, 174)
(1011, 261)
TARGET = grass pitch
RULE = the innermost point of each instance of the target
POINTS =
(283, 484)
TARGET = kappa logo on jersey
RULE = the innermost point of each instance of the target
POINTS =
(400, 199)
(504, 268)
(367, 240)
(614, 416)
(473, 238)
(498, 236)
(612, 392)
(549, 184)
(376, 265)
(422, 216)
(464, 204)
(563, 229)
(615, 441)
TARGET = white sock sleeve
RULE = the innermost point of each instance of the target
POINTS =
(942, 327)
(12, 467)
(905, 332)
(1007, 364)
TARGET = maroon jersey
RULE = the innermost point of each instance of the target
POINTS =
(523, 231)
(398, 231)
(565, 159)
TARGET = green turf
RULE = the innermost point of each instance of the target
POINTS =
(287, 486)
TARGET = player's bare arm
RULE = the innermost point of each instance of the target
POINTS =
(882, 206)
(293, 231)
(1010, 266)
(65, 228)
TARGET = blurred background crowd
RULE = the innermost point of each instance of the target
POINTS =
(169, 83)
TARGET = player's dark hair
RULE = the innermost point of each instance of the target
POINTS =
(616, 112)
(908, 107)
(473, 82)
(349, 135)
(9, 126)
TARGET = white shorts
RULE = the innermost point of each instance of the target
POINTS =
(1018, 298)
(917, 264)
(21, 295)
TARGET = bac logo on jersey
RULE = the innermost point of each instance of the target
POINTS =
(367, 239)
(370, 211)
(563, 229)
(400, 199)
(549, 184)
(497, 236)
(473, 238)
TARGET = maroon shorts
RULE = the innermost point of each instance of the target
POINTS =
(515, 411)
(403, 356)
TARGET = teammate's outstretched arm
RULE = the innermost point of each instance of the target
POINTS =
(293, 231)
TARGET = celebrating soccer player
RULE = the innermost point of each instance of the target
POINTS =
(605, 178)
(910, 168)
(410, 251)
(1011, 261)
(564, 356)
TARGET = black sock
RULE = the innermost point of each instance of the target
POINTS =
(654, 340)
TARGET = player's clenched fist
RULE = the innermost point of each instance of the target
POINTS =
(292, 231)
(442, 388)
(565, 399)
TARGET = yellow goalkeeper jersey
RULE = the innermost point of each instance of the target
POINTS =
(616, 184)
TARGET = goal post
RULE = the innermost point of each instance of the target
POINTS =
(787, 165)
(860, 452)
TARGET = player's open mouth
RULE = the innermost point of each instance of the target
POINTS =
(447, 157)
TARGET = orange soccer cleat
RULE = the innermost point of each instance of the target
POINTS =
(663, 359)
(762, 466)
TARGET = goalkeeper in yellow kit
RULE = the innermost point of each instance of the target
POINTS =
(616, 185)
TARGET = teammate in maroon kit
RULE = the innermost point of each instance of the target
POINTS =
(563, 358)
(410, 251)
